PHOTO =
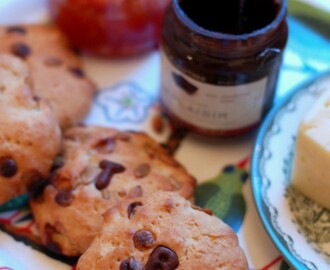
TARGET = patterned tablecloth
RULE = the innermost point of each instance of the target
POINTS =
(127, 99)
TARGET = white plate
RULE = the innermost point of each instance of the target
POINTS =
(298, 227)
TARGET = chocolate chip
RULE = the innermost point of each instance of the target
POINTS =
(8, 167)
(36, 188)
(125, 265)
(77, 72)
(109, 168)
(131, 264)
(57, 163)
(106, 145)
(20, 49)
(53, 61)
(132, 208)
(64, 198)
(106, 163)
(143, 239)
(142, 171)
(36, 99)
(162, 258)
(16, 29)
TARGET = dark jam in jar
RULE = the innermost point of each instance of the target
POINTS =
(220, 63)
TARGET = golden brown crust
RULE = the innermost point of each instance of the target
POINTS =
(102, 166)
(163, 221)
(56, 72)
(29, 132)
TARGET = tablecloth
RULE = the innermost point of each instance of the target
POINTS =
(137, 80)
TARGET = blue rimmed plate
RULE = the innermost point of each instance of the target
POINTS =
(299, 227)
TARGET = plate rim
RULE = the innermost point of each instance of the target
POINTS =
(256, 176)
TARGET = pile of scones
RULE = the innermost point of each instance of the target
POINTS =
(117, 200)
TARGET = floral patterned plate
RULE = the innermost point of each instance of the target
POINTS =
(299, 227)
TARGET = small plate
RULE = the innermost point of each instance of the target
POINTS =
(299, 227)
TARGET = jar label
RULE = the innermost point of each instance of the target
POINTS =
(209, 106)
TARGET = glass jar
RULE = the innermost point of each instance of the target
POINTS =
(220, 65)
(110, 28)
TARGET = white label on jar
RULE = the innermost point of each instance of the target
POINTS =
(210, 106)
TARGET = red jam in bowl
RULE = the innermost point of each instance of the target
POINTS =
(112, 28)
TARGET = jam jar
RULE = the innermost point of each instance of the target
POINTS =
(220, 64)
(110, 28)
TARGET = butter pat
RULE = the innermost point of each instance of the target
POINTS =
(311, 165)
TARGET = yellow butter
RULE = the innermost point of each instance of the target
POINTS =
(311, 165)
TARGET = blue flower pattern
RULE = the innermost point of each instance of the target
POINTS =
(125, 102)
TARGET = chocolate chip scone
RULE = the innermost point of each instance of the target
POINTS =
(162, 231)
(56, 71)
(100, 167)
(29, 132)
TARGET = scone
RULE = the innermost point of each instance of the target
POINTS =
(100, 167)
(162, 231)
(30, 135)
(56, 71)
